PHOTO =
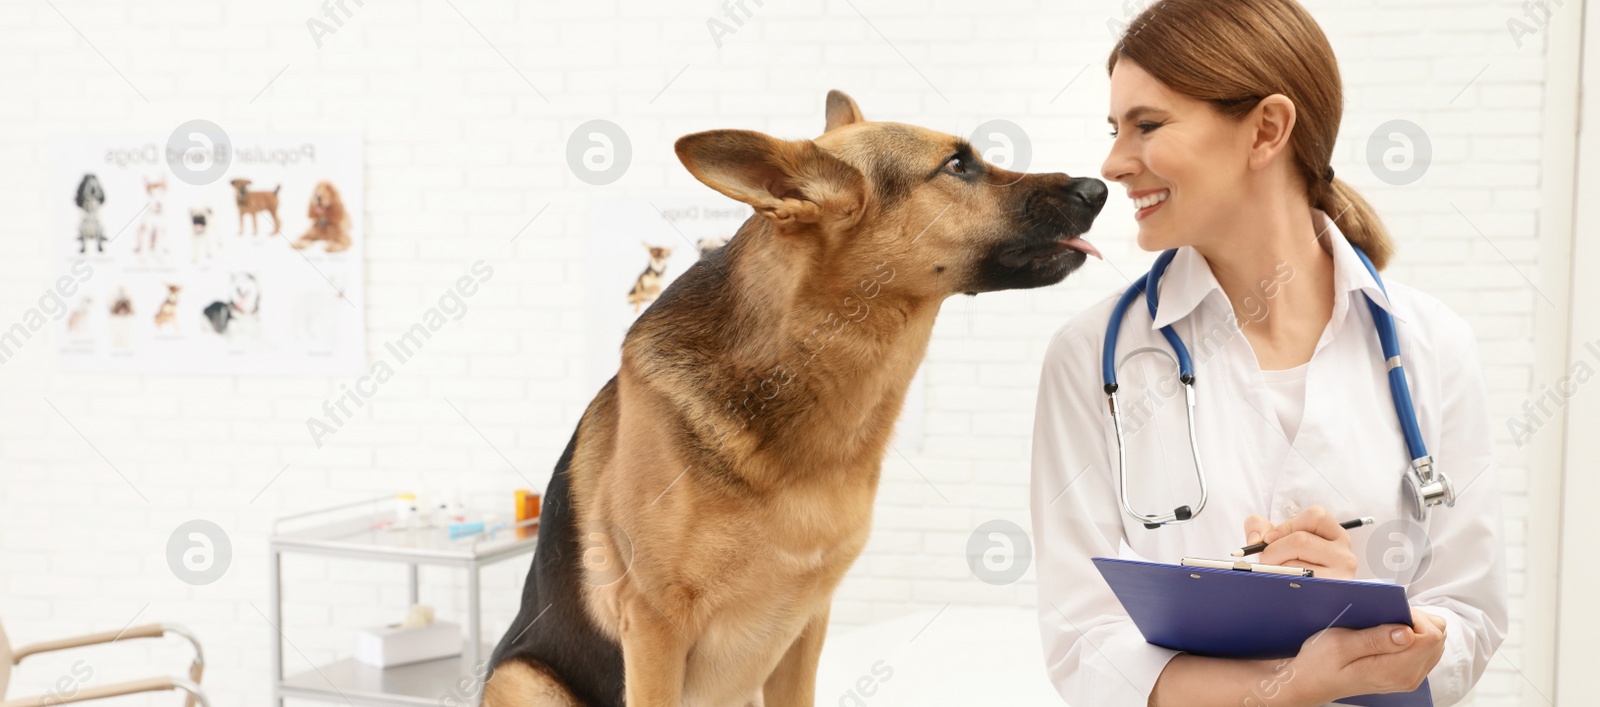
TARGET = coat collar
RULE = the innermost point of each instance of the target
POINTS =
(1188, 280)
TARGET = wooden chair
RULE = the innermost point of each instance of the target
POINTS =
(10, 657)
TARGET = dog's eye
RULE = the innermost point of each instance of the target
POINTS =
(956, 164)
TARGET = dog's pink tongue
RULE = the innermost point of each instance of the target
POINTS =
(1083, 245)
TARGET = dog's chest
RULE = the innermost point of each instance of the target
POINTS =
(800, 561)
(817, 529)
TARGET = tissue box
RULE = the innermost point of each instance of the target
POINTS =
(389, 646)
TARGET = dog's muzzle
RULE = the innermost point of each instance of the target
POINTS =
(1059, 217)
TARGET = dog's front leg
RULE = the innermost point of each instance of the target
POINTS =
(794, 682)
(655, 652)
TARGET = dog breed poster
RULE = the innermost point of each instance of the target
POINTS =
(251, 268)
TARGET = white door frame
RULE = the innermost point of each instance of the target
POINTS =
(1562, 615)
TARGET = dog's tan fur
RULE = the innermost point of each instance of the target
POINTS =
(168, 312)
(726, 476)
(254, 203)
(329, 222)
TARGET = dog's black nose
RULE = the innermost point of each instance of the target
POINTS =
(1092, 191)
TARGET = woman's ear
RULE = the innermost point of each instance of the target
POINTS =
(1271, 125)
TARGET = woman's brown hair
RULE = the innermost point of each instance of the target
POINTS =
(1234, 53)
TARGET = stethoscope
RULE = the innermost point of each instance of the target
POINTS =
(1424, 486)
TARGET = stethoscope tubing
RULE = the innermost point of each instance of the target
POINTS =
(1421, 476)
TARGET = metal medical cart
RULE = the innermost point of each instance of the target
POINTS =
(353, 531)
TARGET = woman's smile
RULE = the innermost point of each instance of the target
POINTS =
(1147, 202)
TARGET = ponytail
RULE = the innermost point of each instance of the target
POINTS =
(1357, 221)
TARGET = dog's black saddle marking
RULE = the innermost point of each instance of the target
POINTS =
(551, 626)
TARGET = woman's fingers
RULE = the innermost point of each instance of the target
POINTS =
(1303, 549)
(1419, 617)
(1315, 520)
(1293, 547)
(1255, 527)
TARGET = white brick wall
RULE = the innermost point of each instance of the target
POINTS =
(461, 152)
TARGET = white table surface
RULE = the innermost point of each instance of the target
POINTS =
(960, 656)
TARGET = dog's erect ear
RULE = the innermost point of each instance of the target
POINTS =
(842, 110)
(793, 183)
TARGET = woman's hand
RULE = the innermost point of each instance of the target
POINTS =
(1313, 540)
(1340, 662)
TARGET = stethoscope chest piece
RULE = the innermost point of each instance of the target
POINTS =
(1426, 488)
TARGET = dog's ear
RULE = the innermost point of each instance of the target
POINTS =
(793, 183)
(842, 110)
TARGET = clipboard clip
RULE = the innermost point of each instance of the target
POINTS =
(1246, 566)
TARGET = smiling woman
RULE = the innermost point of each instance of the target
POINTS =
(1221, 58)
(1224, 115)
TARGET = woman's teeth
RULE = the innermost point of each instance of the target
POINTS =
(1149, 200)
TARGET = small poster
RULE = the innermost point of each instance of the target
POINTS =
(636, 247)
(234, 255)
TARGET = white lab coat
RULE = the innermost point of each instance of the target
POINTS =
(1348, 456)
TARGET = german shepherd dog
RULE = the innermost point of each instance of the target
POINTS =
(718, 487)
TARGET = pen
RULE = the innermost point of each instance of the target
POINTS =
(1347, 525)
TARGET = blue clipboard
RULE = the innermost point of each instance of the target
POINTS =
(1238, 614)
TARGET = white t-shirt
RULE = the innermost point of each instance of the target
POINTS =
(1287, 389)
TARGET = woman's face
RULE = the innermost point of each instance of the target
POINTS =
(1180, 159)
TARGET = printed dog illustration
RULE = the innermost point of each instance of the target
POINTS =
(204, 239)
(254, 203)
(168, 312)
(151, 226)
(708, 244)
(240, 316)
(91, 196)
(647, 287)
(121, 319)
(80, 315)
(329, 222)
